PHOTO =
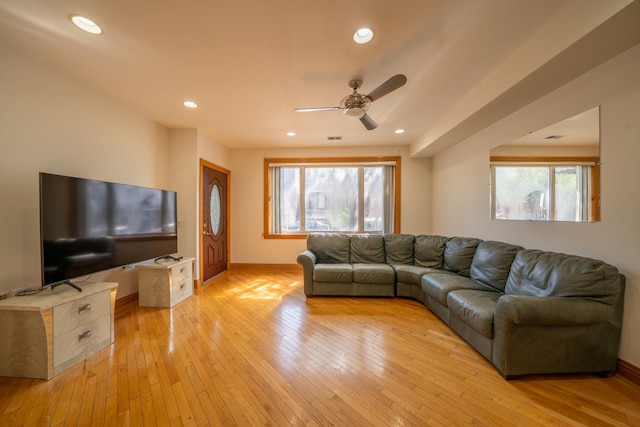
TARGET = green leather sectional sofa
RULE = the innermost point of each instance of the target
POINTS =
(526, 311)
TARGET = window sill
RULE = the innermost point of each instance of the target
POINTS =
(284, 236)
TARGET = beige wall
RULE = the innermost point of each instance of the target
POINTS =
(461, 181)
(183, 175)
(51, 124)
(247, 243)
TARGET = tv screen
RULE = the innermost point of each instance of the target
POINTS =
(88, 226)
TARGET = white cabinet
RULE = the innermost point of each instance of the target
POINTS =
(44, 334)
(164, 283)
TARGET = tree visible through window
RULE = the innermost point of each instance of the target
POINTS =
(352, 195)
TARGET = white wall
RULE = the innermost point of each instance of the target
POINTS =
(247, 188)
(51, 124)
(461, 181)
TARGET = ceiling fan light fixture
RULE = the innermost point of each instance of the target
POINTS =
(398, 131)
(85, 24)
(291, 133)
(355, 112)
(190, 104)
(363, 35)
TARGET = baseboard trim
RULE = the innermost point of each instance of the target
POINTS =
(269, 267)
(629, 371)
(126, 300)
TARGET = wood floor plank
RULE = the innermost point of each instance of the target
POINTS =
(111, 412)
(64, 402)
(250, 349)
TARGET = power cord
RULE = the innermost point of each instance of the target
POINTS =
(167, 257)
(35, 291)
(30, 291)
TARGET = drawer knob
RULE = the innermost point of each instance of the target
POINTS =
(84, 308)
(182, 286)
(83, 336)
(182, 270)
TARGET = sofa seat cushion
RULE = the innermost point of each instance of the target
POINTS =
(333, 273)
(438, 285)
(412, 273)
(373, 273)
(475, 308)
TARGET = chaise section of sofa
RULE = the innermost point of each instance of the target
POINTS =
(560, 313)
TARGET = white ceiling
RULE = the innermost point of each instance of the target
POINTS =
(249, 63)
(581, 130)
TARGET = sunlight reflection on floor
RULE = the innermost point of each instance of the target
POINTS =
(267, 289)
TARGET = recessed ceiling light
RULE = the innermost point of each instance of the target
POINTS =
(363, 35)
(190, 104)
(85, 24)
(398, 131)
(291, 133)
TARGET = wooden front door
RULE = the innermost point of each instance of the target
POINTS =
(214, 220)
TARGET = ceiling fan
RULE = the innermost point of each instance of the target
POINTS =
(356, 104)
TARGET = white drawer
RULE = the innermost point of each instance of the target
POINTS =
(80, 339)
(75, 313)
(181, 290)
(180, 271)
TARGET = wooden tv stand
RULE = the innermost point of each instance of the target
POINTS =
(44, 334)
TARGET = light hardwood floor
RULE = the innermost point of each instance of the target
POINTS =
(250, 350)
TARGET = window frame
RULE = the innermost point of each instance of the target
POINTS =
(329, 162)
(550, 162)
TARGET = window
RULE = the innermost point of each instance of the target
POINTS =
(344, 195)
(539, 189)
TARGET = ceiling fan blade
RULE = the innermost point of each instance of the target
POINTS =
(306, 110)
(387, 87)
(368, 122)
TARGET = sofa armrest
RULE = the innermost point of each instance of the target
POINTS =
(537, 335)
(307, 260)
(552, 311)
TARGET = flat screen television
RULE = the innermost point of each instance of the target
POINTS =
(88, 226)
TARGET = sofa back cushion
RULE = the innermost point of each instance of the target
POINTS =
(492, 262)
(550, 274)
(367, 248)
(428, 251)
(398, 248)
(330, 248)
(458, 254)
